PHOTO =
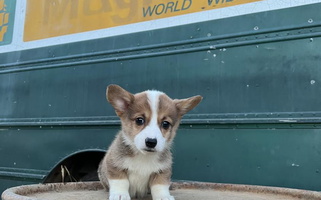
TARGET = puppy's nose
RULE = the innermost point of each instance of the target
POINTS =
(151, 142)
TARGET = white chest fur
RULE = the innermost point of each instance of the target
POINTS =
(140, 168)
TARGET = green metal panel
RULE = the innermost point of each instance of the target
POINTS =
(259, 122)
(274, 156)
(251, 63)
(47, 145)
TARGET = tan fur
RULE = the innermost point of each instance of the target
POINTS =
(162, 177)
(122, 156)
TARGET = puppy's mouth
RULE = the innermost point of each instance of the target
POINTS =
(150, 150)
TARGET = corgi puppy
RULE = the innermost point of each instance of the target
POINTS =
(139, 160)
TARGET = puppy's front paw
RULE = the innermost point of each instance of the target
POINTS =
(161, 192)
(119, 189)
(120, 196)
(164, 198)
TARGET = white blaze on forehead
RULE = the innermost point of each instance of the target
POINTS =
(153, 100)
(152, 129)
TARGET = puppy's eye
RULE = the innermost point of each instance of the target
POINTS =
(166, 125)
(140, 121)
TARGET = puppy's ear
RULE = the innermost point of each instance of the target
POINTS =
(119, 98)
(185, 105)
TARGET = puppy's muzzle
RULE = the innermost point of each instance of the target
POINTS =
(151, 142)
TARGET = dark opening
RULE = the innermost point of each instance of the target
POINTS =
(79, 167)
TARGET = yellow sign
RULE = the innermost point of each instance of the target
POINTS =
(4, 20)
(50, 18)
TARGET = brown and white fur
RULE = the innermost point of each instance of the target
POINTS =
(139, 159)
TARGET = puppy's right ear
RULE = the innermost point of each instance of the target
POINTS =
(119, 98)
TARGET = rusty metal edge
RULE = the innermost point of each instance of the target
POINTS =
(19, 192)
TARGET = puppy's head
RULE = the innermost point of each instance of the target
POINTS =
(150, 118)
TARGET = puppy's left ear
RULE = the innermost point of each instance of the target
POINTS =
(119, 98)
(185, 105)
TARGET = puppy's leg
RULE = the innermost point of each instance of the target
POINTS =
(159, 185)
(114, 179)
(103, 175)
(118, 189)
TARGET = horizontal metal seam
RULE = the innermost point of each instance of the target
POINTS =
(91, 58)
(262, 118)
(176, 43)
(21, 175)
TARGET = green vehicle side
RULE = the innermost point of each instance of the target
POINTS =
(259, 122)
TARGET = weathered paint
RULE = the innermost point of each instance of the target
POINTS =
(50, 18)
(7, 13)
